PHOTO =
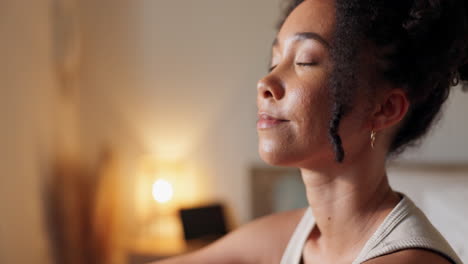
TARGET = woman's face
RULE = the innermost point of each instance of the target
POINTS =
(292, 100)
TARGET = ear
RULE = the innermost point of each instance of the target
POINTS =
(390, 109)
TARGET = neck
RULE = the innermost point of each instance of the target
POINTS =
(348, 203)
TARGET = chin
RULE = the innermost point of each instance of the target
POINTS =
(270, 159)
(276, 156)
(297, 158)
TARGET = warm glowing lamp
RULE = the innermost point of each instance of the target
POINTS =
(158, 198)
(162, 187)
(162, 191)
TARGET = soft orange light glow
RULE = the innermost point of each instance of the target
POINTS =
(162, 186)
(182, 181)
(162, 191)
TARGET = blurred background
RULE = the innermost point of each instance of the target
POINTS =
(128, 132)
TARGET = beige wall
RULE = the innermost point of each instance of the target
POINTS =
(28, 97)
(177, 79)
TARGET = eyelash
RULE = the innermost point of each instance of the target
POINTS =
(301, 64)
(309, 64)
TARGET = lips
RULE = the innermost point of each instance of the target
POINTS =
(266, 121)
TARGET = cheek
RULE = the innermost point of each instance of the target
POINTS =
(313, 122)
(311, 112)
(354, 132)
(305, 136)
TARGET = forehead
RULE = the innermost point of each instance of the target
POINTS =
(316, 16)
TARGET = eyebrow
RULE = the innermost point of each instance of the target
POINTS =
(305, 35)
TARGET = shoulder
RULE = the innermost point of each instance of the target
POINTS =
(283, 223)
(260, 241)
(411, 256)
(264, 239)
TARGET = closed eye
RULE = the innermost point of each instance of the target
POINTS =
(302, 64)
(306, 64)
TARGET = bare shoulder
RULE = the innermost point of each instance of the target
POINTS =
(260, 241)
(411, 256)
(275, 229)
(283, 223)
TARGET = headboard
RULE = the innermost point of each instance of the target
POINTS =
(276, 189)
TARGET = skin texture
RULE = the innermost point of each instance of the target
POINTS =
(354, 193)
(297, 93)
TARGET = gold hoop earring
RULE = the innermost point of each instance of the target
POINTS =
(373, 136)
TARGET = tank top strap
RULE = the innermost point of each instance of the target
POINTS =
(406, 227)
(388, 225)
(293, 252)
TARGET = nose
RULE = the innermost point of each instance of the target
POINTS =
(270, 86)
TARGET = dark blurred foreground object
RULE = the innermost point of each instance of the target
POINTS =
(201, 225)
(205, 223)
(82, 212)
(464, 77)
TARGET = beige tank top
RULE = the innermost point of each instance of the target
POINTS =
(406, 227)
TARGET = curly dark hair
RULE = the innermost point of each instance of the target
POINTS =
(424, 47)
